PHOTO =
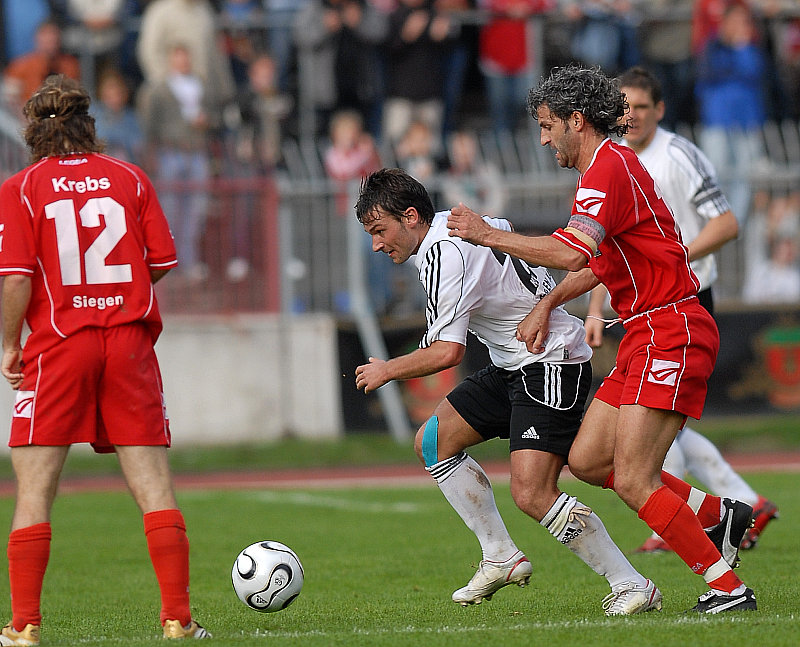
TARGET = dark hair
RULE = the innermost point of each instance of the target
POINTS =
(59, 122)
(643, 79)
(585, 90)
(394, 191)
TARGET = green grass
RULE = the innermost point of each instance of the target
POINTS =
(380, 566)
(768, 433)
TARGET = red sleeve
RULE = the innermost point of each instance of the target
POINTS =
(157, 236)
(17, 241)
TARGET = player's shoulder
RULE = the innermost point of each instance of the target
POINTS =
(15, 182)
(686, 155)
(679, 144)
(117, 165)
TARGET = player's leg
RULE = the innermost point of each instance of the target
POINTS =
(707, 465)
(54, 408)
(37, 470)
(134, 420)
(591, 458)
(534, 486)
(477, 409)
(146, 471)
(440, 445)
(638, 459)
(675, 464)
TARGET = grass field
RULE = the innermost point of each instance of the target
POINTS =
(735, 434)
(380, 567)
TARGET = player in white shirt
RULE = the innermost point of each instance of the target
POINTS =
(688, 183)
(536, 401)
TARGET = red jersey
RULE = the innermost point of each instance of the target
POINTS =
(640, 256)
(87, 229)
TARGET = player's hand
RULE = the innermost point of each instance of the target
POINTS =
(11, 367)
(465, 223)
(534, 328)
(371, 376)
(594, 331)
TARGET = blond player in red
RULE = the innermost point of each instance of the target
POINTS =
(622, 233)
(83, 241)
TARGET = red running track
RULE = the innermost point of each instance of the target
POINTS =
(362, 476)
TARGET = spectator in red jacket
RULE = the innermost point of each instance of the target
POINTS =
(506, 56)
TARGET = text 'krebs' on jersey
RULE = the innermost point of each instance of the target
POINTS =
(87, 229)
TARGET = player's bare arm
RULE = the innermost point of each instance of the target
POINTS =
(533, 330)
(594, 323)
(714, 235)
(16, 295)
(157, 275)
(536, 250)
(440, 355)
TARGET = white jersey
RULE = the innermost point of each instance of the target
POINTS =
(688, 184)
(476, 289)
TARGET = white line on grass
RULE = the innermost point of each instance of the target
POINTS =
(605, 623)
(331, 502)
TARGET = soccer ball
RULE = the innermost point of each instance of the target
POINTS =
(267, 576)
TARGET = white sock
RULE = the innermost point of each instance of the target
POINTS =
(675, 460)
(468, 490)
(582, 531)
(706, 464)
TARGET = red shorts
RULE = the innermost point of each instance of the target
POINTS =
(100, 386)
(664, 360)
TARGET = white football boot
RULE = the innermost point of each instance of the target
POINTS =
(493, 576)
(630, 598)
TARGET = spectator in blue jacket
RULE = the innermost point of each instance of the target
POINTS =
(730, 93)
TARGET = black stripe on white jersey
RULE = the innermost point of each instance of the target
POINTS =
(431, 279)
(709, 191)
(524, 273)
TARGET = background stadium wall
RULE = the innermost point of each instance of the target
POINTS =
(245, 378)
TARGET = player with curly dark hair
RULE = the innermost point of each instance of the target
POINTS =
(587, 91)
(621, 233)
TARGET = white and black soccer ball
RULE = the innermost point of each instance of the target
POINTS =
(267, 576)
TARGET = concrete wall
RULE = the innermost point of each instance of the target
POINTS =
(243, 378)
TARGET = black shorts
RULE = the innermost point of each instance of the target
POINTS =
(539, 406)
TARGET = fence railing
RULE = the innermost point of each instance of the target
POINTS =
(278, 243)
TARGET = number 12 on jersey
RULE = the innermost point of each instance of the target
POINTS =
(62, 213)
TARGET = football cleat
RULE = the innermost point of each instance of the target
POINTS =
(653, 545)
(174, 629)
(714, 602)
(727, 535)
(764, 512)
(493, 576)
(631, 598)
(28, 636)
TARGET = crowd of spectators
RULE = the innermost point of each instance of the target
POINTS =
(190, 89)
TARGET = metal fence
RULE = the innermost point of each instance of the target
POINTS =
(290, 228)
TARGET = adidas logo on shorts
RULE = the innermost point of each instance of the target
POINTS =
(530, 433)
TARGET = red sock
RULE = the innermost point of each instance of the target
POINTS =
(169, 551)
(726, 582)
(28, 553)
(707, 505)
(675, 522)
